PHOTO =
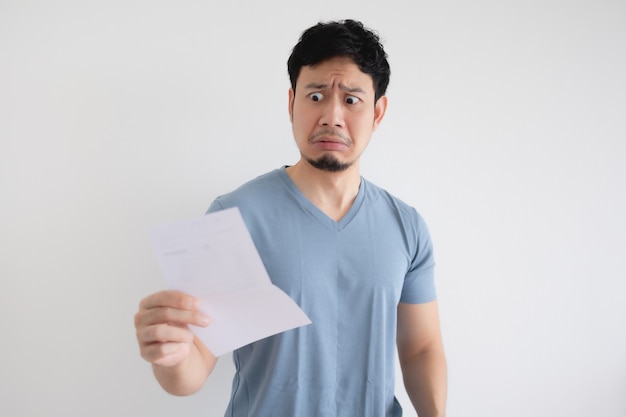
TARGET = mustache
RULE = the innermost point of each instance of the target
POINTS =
(330, 132)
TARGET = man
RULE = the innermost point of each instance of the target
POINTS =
(357, 260)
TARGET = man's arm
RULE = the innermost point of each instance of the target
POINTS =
(187, 377)
(422, 357)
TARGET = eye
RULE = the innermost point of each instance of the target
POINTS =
(316, 96)
(352, 100)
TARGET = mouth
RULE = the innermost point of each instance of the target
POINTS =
(330, 137)
(329, 144)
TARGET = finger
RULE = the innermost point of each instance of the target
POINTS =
(166, 315)
(163, 333)
(170, 298)
(166, 354)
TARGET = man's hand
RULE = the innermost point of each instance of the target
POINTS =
(162, 327)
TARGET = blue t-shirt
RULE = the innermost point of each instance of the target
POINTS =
(348, 277)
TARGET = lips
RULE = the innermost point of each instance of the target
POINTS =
(330, 137)
(329, 144)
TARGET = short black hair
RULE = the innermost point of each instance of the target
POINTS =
(342, 38)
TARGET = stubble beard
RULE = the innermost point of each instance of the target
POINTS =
(329, 164)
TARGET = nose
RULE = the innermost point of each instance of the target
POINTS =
(332, 114)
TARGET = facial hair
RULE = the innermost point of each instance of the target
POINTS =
(329, 164)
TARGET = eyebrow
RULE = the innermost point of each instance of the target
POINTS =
(323, 86)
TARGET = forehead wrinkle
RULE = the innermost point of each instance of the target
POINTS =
(343, 87)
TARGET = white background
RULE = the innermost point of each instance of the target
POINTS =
(506, 129)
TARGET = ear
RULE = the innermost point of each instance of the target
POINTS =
(379, 111)
(292, 96)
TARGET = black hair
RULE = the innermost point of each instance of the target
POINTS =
(343, 38)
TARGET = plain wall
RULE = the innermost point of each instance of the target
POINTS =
(506, 129)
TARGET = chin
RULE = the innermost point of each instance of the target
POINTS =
(328, 163)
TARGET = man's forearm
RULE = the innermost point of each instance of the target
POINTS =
(425, 381)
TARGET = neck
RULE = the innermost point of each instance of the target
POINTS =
(331, 192)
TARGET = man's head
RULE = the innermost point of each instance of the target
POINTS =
(347, 38)
(339, 74)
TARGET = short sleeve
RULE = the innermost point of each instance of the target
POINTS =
(419, 282)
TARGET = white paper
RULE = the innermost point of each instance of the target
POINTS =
(213, 257)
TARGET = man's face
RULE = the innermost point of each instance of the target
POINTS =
(333, 113)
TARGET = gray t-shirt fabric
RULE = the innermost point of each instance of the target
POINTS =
(348, 277)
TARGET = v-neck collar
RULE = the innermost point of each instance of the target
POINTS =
(318, 214)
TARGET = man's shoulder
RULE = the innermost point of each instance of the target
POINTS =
(382, 196)
(252, 191)
(390, 209)
(259, 183)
